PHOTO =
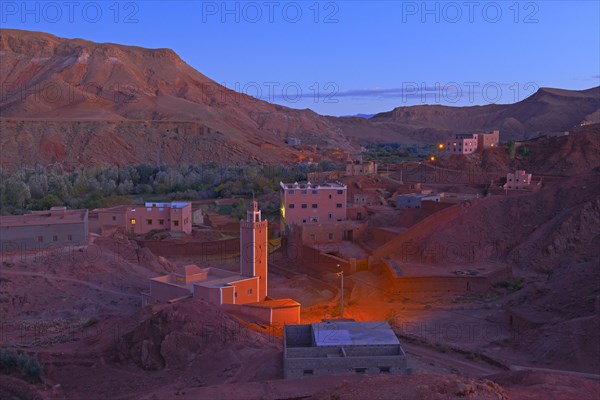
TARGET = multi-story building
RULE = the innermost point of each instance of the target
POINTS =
(175, 216)
(359, 167)
(467, 143)
(462, 143)
(44, 230)
(487, 140)
(308, 203)
(249, 288)
(520, 180)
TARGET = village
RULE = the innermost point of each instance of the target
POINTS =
(362, 224)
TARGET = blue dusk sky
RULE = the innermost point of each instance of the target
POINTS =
(350, 57)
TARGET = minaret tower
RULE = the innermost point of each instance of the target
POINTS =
(253, 248)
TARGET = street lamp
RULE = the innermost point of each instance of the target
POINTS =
(341, 274)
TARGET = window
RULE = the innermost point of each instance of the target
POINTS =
(384, 370)
(186, 221)
(330, 236)
(340, 192)
(291, 192)
(303, 192)
(314, 205)
(329, 196)
(291, 205)
(360, 370)
(235, 294)
(308, 372)
(338, 205)
(133, 221)
(161, 221)
(304, 205)
(249, 291)
(303, 221)
(149, 221)
(312, 237)
(55, 238)
(40, 239)
(315, 191)
(114, 218)
(176, 223)
(330, 215)
(69, 237)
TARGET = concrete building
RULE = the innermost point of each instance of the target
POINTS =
(414, 200)
(312, 204)
(44, 230)
(488, 140)
(175, 216)
(462, 144)
(341, 347)
(520, 180)
(218, 286)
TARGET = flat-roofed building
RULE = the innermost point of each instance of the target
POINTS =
(312, 204)
(249, 287)
(519, 180)
(175, 216)
(341, 347)
(414, 200)
(488, 140)
(44, 230)
(462, 144)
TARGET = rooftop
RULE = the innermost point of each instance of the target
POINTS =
(308, 185)
(55, 216)
(344, 333)
(276, 303)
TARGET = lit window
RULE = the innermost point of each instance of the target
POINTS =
(133, 221)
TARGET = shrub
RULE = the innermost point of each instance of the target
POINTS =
(32, 368)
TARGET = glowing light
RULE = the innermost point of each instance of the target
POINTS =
(432, 158)
(441, 146)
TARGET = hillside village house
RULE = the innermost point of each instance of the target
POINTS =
(519, 180)
(468, 143)
(247, 290)
(44, 230)
(359, 167)
(175, 216)
(312, 204)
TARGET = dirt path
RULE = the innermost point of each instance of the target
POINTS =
(65, 279)
(451, 360)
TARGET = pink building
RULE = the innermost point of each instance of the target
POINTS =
(487, 140)
(520, 180)
(222, 287)
(312, 204)
(462, 144)
(175, 216)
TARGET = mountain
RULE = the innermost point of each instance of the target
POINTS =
(120, 94)
(547, 110)
(76, 101)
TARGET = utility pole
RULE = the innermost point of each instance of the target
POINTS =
(341, 274)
